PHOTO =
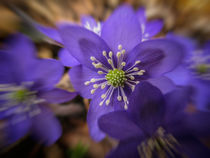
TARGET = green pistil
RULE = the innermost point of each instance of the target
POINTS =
(20, 95)
(202, 68)
(116, 77)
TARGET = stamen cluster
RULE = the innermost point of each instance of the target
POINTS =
(163, 144)
(200, 65)
(115, 78)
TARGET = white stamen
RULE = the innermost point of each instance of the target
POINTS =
(110, 95)
(92, 91)
(126, 107)
(87, 83)
(123, 51)
(103, 85)
(118, 54)
(110, 54)
(132, 77)
(101, 72)
(95, 86)
(131, 86)
(104, 53)
(103, 96)
(119, 47)
(92, 58)
(107, 102)
(137, 62)
(119, 98)
(123, 63)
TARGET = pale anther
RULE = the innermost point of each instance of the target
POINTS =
(137, 62)
(95, 85)
(104, 53)
(119, 98)
(110, 54)
(126, 107)
(123, 63)
(107, 102)
(92, 80)
(87, 83)
(103, 96)
(92, 91)
(92, 58)
(100, 72)
(119, 46)
(118, 54)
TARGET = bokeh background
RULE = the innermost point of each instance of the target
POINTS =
(190, 18)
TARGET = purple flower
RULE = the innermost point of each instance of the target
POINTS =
(27, 84)
(157, 126)
(149, 29)
(115, 62)
(194, 71)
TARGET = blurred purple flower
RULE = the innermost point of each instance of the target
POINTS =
(27, 84)
(157, 126)
(149, 29)
(89, 23)
(115, 62)
(194, 71)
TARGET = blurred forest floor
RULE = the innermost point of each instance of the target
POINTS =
(186, 17)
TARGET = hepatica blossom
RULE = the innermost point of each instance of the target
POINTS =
(115, 62)
(157, 126)
(27, 84)
(194, 71)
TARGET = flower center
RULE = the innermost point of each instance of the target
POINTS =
(202, 68)
(116, 77)
(161, 144)
(19, 97)
(199, 64)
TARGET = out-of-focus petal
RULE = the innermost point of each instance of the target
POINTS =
(58, 95)
(119, 125)
(67, 59)
(22, 56)
(188, 44)
(141, 16)
(176, 103)
(206, 50)
(147, 107)
(152, 28)
(202, 95)
(15, 128)
(45, 127)
(198, 123)
(125, 149)
(7, 73)
(49, 32)
(163, 83)
(45, 73)
(193, 148)
(123, 28)
(180, 76)
(88, 19)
